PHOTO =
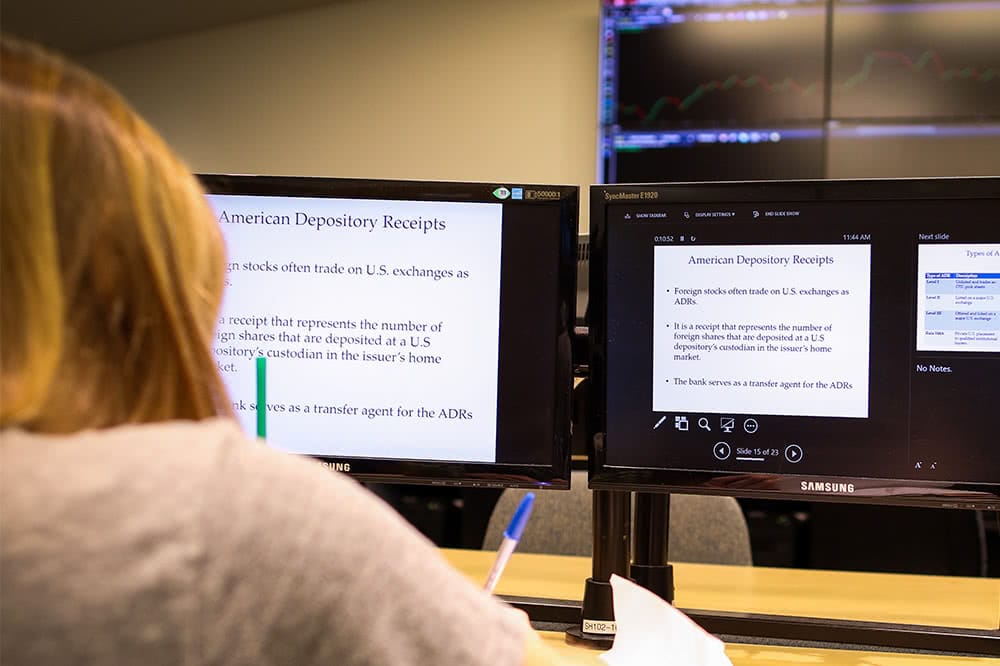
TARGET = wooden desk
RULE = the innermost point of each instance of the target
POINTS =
(926, 600)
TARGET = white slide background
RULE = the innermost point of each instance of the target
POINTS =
(808, 383)
(467, 310)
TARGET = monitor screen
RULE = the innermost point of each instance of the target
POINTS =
(803, 339)
(769, 153)
(697, 90)
(402, 331)
(914, 60)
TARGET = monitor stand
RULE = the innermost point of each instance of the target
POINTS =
(650, 567)
(595, 619)
(611, 548)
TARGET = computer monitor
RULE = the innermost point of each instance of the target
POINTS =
(410, 332)
(697, 90)
(820, 340)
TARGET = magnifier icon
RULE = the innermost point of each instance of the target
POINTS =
(703, 423)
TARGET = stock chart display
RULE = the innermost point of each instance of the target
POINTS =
(733, 89)
(926, 60)
(780, 153)
(695, 66)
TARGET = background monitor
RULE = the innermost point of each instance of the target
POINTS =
(414, 332)
(812, 340)
(695, 90)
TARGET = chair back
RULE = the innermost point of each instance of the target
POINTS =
(703, 528)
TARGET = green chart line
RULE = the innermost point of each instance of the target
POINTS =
(927, 58)
(734, 81)
(918, 65)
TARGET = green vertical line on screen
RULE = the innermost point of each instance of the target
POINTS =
(261, 397)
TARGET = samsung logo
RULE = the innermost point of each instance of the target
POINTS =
(826, 487)
(338, 467)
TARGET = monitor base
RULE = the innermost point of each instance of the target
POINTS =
(902, 637)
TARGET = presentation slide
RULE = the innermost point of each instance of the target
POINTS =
(764, 329)
(958, 297)
(379, 322)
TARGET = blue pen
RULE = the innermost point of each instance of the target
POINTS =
(511, 536)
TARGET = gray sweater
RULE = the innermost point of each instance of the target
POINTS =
(186, 543)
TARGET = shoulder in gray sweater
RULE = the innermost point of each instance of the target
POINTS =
(186, 543)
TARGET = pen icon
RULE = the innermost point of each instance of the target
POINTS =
(511, 537)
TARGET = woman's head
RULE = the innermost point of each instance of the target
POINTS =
(111, 263)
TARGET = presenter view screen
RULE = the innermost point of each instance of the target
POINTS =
(409, 331)
(826, 339)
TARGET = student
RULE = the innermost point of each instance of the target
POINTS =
(139, 526)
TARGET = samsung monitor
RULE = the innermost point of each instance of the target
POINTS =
(402, 331)
(819, 340)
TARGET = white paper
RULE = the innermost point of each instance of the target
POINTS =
(651, 631)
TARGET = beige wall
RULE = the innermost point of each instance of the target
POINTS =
(454, 89)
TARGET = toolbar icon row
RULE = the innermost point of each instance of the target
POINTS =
(726, 424)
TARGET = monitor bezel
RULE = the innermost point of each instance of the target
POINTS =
(556, 474)
(603, 476)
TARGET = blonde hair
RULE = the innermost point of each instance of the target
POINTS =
(112, 264)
